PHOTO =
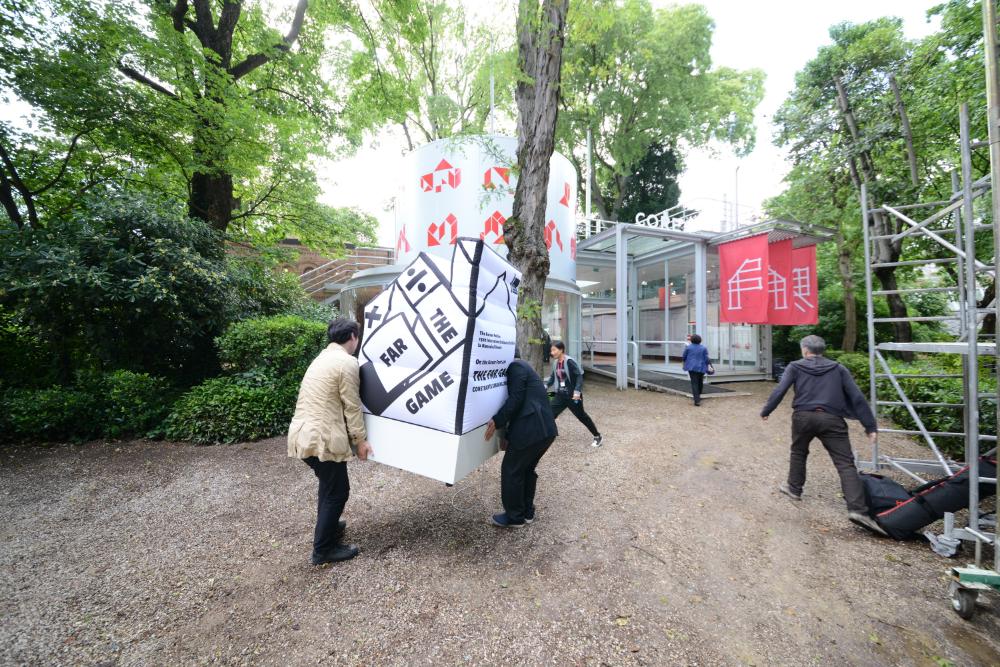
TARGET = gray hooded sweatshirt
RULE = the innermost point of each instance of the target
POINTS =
(825, 385)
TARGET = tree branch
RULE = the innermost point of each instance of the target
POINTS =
(177, 14)
(254, 61)
(144, 80)
(14, 180)
(62, 169)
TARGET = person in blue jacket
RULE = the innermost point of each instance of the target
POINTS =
(696, 364)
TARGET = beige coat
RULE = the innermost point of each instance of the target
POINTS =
(328, 408)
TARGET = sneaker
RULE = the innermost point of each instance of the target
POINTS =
(529, 516)
(598, 440)
(866, 522)
(787, 490)
(502, 521)
(337, 554)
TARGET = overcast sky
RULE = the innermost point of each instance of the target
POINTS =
(777, 36)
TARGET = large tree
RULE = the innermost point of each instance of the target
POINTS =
(215, 102)
(875, 108)
(540, 34)
(641, 80)
(431, 64)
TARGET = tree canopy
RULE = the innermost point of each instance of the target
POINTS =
(215, 104)
(641, 80)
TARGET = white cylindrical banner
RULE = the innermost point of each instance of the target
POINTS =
(464, 186)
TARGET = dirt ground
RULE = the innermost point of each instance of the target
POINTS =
(667, 546)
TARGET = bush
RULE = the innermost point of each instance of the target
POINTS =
(275, 346)
(232, 409)
(54, 413)
(857, 364)
(113, 405)
(134, 403)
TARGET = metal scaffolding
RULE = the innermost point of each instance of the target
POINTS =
(952, 225)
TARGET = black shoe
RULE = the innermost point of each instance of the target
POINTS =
(337, 554)
(697, 403)
(598, 440)
(501, 520)
(529, 516)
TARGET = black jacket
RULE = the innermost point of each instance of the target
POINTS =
(527, 414)
(825, 384)
(574, 376)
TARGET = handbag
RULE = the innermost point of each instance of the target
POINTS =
(711, 369)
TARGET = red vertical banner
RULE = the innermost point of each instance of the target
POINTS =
(743, 267)
(803, 286)
(779, 283)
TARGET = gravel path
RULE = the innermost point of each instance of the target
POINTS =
(666, 546)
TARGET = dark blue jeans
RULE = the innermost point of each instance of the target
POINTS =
(334, 490)
(697, 384)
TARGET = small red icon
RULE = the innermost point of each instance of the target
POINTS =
(494, 175)
(435, 231)
(550, 231)
(443, 174)
(494, 225)
(401, 242)
(565, 198)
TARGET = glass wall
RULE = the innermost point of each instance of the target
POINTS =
(561, 319)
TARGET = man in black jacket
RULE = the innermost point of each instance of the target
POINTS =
(531, 428)
(825, 393)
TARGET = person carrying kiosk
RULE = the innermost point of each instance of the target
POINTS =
(530, 430)
(567, 381)
(825, 393)
(326, 427)
(696, 363)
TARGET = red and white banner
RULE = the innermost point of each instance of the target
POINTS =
(804, 286)
(743, 278)
(765, 283)
(779, 283)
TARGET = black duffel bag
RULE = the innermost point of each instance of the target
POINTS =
(932, 500)
(882, 493)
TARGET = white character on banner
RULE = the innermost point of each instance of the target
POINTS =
(778, 288)
(802, 288)
(747, 278)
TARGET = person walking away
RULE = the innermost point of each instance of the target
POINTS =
(696, 364)
(567, 381)
(825, 393)
(530, 429)
(326, 427)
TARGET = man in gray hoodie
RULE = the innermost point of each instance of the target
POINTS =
(825, 394)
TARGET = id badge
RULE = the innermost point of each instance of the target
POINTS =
(562, 384)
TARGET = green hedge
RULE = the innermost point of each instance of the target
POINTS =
(231, 409)
(278, 346)
(113, 405)
(264, 361)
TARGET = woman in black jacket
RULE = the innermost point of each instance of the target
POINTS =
(567, 379)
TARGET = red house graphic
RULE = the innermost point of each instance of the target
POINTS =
(443, 174)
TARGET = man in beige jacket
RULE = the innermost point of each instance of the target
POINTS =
(327, 426)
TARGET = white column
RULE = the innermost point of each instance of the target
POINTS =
(621, 307)
(701, 288)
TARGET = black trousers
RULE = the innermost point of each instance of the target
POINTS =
(697, 384)
(518, 478)
(334, 490)
(831, 430)
(562, 401)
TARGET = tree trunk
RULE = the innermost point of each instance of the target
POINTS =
(211, 199)
(904, 121)
(540, 40)
(850, 302)
(885, 250)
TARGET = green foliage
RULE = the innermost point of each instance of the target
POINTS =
(276, 346)
(132, 403)
(50, 414)
(24, 360)
(639, 77)
(857, 364)
(211, 106)
(264, 361)
(113, 405)
(122, 283)
(232, 409)
(428, 65)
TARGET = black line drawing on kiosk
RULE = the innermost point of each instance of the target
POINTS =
(400, 358)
